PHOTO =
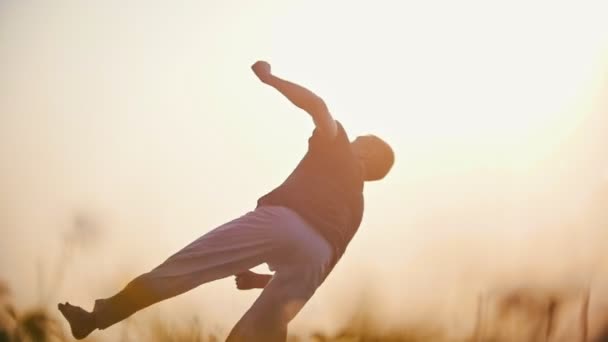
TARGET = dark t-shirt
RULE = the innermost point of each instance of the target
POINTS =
(326, 189)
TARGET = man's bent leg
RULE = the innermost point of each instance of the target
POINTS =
(299, 273)
(268, 318)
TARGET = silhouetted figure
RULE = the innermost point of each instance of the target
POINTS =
(300, 229)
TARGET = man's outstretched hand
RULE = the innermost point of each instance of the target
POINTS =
(262, 70)
(250, 280)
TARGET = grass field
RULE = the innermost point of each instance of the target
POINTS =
(520, 319)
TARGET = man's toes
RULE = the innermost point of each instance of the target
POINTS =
(68, 311)
(79, 320)
(63, 307)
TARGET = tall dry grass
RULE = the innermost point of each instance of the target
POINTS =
(39, 325)
(532, 314)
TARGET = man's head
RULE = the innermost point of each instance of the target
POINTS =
(376, 156)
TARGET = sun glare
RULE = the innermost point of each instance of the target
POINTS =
(496, 76)
(147, 117)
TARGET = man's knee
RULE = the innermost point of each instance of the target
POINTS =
(294, 289)
(308, 277)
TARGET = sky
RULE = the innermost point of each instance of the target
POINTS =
(144, 118)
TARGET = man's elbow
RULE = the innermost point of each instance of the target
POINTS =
(317, 107)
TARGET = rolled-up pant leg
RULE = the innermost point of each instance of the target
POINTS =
(300, 270)
(227, 250)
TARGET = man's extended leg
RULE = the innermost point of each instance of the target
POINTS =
(227, 250)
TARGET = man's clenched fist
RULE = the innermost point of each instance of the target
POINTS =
(249, 280)
(262, 70)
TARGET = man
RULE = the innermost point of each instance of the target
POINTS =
(300, 229)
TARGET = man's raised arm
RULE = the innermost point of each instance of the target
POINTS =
(299, 96)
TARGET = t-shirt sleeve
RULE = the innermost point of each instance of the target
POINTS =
(320, 141)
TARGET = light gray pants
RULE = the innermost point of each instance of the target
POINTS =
(278, 236)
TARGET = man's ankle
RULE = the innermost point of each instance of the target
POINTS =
(97, 310)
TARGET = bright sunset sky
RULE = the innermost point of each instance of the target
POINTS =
(145, 115)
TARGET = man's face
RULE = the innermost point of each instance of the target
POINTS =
(361, 149)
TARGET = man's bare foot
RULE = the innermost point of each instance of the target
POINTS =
(82, 323)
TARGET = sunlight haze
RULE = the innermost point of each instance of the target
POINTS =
(145, 117)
